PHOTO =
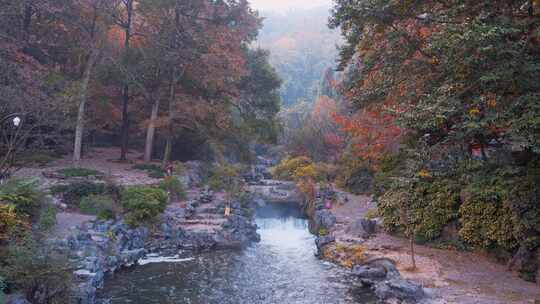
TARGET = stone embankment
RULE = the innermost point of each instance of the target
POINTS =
(342, 245)
(98, 248)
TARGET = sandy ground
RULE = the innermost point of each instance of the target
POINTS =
(101, 159)
(455, 276)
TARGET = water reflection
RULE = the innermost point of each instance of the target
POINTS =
(281, 269)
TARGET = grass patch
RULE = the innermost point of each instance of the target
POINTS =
(73, 193)
(79, 172)
(154, 171)
(103, 206)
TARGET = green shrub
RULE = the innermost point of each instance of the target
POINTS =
(372, 213)
(429, 207)
(154, 171)
(79, 172)
(35, 158)
(391, 165)
(24, 194)
(354, 174)
(12, 224)
(103, 206)
(179, 168)
(486, 218)
(73, 193)
(43, 276)
(224, 177)
(173, 185)
(143, 204)
(47, 218)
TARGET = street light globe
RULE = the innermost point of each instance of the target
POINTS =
(17, 121)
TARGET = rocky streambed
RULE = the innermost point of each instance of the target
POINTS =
(281, 268)
(99, 248)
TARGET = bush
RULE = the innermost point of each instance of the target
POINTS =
(372, 213)
(486, 218)
(79, 172)
(73, 193)
(154, 171)
(173, 185)
(354, 175)
(24, 194)
(143, 204)
(43, 276)
(224, 177)
(179, 168)
(103, 206)
(33, 158)
(429, 207)
(12, 224)
(287, 168)
(47, 218)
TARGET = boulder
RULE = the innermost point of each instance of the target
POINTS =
(363, 228)
(322, 219)
(322, 241)
(382, 276)
(16, 299)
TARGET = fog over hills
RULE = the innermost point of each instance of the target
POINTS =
(302, 49)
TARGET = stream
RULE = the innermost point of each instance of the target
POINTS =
(281, 269)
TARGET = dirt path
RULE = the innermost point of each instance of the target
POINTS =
(100, 159)
(455, 276)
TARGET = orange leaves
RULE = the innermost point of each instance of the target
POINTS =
(373, 132)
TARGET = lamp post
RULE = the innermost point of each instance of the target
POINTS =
(10, 141)
(16, 119)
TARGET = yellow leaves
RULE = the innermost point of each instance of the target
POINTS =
(345, 255)
(490, 99)
(474, 111)
(424, 173)
(306, 172)
(10, 221)
(434, 60)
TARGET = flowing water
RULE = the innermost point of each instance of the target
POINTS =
(280, 269)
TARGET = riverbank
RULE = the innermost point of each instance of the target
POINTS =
(98, 248)
(451, 276)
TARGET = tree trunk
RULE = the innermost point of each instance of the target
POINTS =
(125, 103)
(27, 20)
(168, 146)
(79, 130)
(413, 260)
(150, 132)
(125, 124)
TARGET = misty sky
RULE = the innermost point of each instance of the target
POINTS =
(285, 5)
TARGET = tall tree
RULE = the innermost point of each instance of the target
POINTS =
(93, 23)
(125, 21)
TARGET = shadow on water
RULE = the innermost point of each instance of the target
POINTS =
(281, 269)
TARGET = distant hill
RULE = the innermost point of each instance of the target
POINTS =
(302, 49)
